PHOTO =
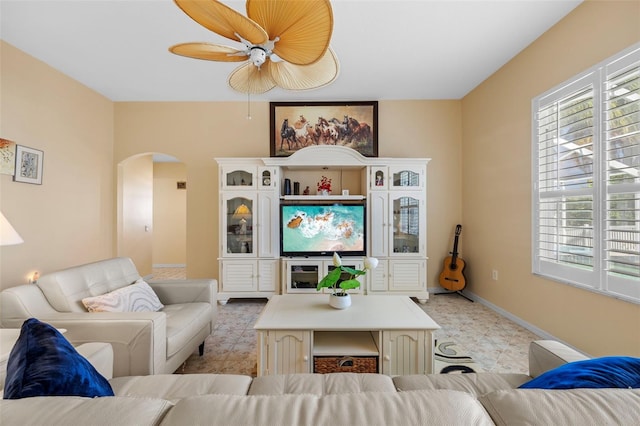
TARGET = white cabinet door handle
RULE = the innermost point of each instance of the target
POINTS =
(387, 358)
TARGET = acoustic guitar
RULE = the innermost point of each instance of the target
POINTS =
(452, 277)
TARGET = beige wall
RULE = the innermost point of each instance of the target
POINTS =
(496, 184)
(169, 214)
(69, 218)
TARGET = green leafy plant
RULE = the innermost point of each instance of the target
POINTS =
(331, 279)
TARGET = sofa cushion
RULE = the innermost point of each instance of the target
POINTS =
(366, 408)
(184, 320)
(174, 387)
(8, 337)
(44, 363)
(72, 410)
(321, 384)
(605, 372)
(474, 383)
(563, 407)
(137, 297)
(65, 289)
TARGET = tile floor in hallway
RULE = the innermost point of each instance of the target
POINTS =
(494, 342)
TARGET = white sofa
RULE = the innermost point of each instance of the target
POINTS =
(338, 399)
(143, 342)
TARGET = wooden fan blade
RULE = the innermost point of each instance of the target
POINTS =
(248, 78)
(303, 77)
(223, 20)
(304, 27)
(209, 51)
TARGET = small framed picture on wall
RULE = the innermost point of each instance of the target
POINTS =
(29, 164)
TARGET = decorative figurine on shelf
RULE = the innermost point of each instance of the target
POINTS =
(324, 186)
(379, 179)
(306, 191)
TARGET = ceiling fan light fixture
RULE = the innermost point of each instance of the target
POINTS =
(257, 56)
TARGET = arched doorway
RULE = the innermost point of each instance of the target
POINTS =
(152, 219)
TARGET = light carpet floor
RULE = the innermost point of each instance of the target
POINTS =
(495, 343)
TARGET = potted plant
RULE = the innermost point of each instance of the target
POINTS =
(339, 298)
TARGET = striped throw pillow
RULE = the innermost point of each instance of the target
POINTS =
(137, 297)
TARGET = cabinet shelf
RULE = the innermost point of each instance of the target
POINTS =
(353, 343)
(321, 197)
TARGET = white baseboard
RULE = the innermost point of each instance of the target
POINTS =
(169, 265)
(522, 323)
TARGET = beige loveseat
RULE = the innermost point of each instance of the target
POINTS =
(338, 399)
(143, 342)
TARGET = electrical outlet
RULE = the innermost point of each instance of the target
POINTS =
(494, 275)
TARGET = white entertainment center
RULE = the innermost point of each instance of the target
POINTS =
(252, 189)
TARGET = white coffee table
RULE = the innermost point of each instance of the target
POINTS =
(294, 328)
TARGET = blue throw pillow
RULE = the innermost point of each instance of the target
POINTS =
(606, 372)
(44, 363)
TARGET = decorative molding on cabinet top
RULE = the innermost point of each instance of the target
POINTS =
(333, 156)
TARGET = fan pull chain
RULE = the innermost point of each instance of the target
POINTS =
(248, 106)
(248, 93)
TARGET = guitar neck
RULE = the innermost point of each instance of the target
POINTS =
(454, 254)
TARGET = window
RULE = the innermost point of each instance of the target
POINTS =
(586, 178)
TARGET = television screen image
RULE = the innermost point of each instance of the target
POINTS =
(322, 229)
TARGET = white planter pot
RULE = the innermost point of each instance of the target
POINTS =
(340, 302)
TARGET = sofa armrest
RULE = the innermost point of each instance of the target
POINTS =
(20, 303)
(171, 292)
(545, 355)
(138, 339)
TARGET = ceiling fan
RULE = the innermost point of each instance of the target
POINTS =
(286, 42)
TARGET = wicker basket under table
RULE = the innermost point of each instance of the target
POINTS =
(345, 364)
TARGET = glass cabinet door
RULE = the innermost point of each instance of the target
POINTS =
(303, 277)
(239, 237)
(404, 178)
(238, 177)
(407, 225)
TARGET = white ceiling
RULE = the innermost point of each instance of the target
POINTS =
(388, 49)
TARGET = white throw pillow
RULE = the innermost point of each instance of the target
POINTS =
(137, 297)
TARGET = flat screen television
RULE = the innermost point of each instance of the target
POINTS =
(322, 228)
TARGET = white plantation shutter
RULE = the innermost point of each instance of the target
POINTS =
(586, 155)
(622, 175)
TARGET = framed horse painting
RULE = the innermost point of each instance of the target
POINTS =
(295, 125)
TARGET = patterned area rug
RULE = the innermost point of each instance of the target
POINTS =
(450, 359)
